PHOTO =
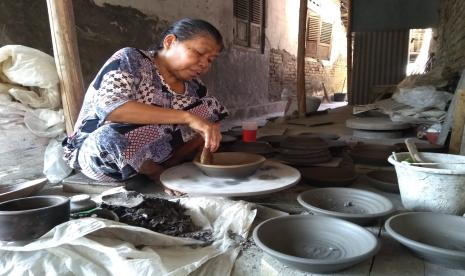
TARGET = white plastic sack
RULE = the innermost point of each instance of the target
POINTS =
(45, 122)
(55, 167)
(29, 96)
(101, 247)
(423, 97)
(35, 71)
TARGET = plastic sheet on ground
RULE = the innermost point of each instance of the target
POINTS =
(94, 246)
(399, 112)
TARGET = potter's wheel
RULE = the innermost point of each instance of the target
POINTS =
(270, 177)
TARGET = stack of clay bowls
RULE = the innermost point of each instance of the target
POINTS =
(259, 147)
(303, 151)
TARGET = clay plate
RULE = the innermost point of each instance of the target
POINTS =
(384, 180)
(231, 164)
(262, 148)
(315, 243)
(438, 238)
(24, 189)
(372, 154)
(274, 140)
(358, 206)
(328, 177)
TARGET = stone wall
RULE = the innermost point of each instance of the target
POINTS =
(100, 30)
(450, 39)
(283, 75)
(248, 82)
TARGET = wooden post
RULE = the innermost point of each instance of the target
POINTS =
(458, 124)
(65, 51)
(349, 52)
(301, 97)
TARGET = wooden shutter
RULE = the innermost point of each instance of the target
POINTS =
(324, 45)
(256, 24)
(242, 21)
(313, 34)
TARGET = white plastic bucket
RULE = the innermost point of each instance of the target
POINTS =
(436, 188)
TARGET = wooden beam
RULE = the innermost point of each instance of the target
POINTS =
(349, 52)
(458, 123)
(301, 97)
(65, 51)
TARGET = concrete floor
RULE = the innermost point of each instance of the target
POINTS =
(393, 259)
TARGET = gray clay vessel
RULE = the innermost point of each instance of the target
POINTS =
(315, 243)
(384, 180)
(358, 206)
(8, 192)
(231, 164)
(328, 177)
(437, 238)
(29, 218)
(80, 203)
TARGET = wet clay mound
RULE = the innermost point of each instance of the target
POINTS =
(160, 215)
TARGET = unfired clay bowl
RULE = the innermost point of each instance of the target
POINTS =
(231, 164)
(438, 238)
(315, 243)
(384, 180)
(358, 206)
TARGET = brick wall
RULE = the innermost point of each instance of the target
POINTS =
(283, 74)
(450, 40)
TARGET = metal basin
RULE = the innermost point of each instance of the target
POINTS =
(438, 238)
(231, 164)
(315, 243)
(358, 206)
(30, 217)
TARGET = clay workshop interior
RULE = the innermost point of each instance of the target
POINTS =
(232, 137)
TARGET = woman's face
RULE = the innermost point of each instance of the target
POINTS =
(190, 58)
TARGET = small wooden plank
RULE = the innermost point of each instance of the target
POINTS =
(450, 112)
(458, 123)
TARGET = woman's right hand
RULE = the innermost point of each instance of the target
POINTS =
(209, 131)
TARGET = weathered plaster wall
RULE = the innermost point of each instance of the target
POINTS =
(450, 40)
(239, 77)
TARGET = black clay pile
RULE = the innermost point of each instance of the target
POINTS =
(159, 215)
(303, 150)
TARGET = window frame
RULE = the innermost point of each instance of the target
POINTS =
(249, 22)
(317, 34)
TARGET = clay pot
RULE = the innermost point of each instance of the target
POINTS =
(29, 218)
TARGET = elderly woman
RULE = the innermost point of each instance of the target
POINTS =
(147, 110)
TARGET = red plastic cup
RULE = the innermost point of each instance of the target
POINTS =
(249, 131)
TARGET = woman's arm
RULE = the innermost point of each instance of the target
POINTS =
(133, 112)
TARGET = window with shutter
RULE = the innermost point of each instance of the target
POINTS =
(318, 38)
(313, 33)
(324, 46)
(249, 18)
